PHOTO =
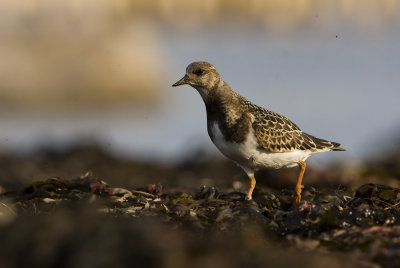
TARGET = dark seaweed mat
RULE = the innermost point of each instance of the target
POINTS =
(366, 223)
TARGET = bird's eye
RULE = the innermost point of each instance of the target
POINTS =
(198, 72)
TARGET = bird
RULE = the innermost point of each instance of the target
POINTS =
(251, 136)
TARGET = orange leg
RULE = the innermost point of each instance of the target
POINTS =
(252, 185)
(297, 190)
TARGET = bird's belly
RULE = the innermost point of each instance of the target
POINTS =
(280, 160)
(249, 156)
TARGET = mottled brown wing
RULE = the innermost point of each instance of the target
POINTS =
(276, 133)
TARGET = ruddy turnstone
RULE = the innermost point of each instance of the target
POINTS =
(250, 135)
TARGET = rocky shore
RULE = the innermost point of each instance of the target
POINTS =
(87, 222)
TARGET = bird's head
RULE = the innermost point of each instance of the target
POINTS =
(202, 76)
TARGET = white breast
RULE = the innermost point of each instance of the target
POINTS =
(249, 157)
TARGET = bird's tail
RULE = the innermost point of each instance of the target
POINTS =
(322, 144)
(336, 146)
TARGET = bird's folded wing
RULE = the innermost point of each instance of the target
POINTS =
(276, 133)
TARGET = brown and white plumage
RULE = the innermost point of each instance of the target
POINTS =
(250, 135)
(276, 133)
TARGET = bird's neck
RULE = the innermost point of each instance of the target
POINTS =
(219, 94)
(220, 102)
(224, 108)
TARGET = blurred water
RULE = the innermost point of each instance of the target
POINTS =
(334, 75)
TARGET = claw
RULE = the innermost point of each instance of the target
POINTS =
(248, 198)
(297, 194)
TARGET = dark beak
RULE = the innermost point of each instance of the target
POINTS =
(183, 81)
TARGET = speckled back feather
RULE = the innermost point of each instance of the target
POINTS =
(276, 133)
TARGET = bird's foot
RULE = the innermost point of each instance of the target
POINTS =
(297, 195)
(248, 198)
(296, 201)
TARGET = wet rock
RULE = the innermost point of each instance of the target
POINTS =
(7, 213)
(207, 192)
(156, 189)
(367, 222)
(120, 191)
(382, 194)
(234, 196)
(224, 214)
